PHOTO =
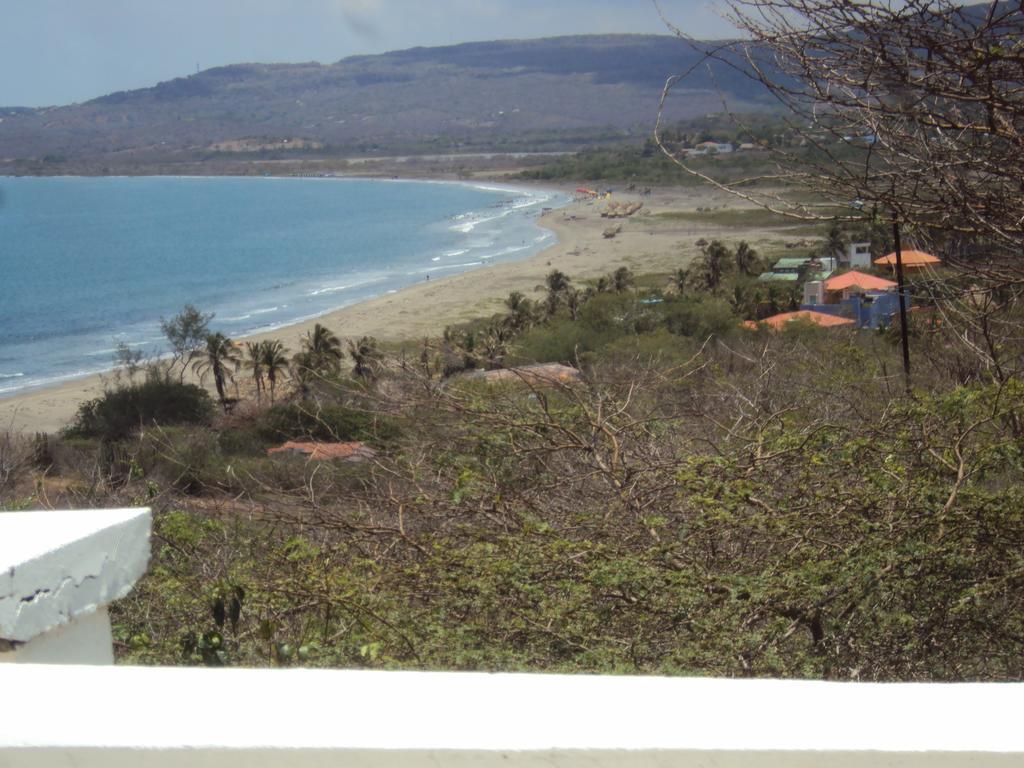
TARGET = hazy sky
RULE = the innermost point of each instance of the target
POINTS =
(63, 51)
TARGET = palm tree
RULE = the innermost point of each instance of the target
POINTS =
(275, 363)
(557, 283)
(835, 240)
(254, 361)
(515, 301)
(574, 302)
(460, 353)
(681, 279)
(622, 280)
(521, 311)
(366, 355)
(218, 356)
(321, 350)
(746, 258)
(716, 262)
(494, 344)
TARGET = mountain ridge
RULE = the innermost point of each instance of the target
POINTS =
(471, 94)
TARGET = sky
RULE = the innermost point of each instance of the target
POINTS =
(55, 52)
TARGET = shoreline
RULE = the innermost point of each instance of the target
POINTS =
(425, 308)
(243, 322)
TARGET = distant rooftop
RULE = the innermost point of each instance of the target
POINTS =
(354, 451)
(912, 259)
(859, 280)
(778, 322)
(547, 373)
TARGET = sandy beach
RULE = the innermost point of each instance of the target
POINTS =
(645, 244)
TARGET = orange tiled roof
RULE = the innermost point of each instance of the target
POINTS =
(909, 259)
(777, 322)
(858, 280)
(325, 451)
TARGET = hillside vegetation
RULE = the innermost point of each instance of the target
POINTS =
(528, 94)
(696, 498)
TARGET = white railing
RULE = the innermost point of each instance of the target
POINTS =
(135, 716)
(58, 573)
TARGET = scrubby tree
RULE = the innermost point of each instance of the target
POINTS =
(129, 359)
(187, 333)
(911, 108)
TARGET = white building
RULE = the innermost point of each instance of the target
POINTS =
(857, 256)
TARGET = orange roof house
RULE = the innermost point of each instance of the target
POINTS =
(861, 280)
(910, 259)
(325, 451)
(778, 322)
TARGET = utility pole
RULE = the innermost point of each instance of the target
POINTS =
(901, 288)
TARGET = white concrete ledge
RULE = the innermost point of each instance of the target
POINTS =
(113, 716)
(61, 569)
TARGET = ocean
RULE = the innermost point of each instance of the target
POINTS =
(88, 263)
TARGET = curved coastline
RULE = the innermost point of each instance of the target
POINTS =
(646, 244)
(49, 405)
(497, 224)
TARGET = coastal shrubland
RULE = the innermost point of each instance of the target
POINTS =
(122, 410)
(698, 499)
(681, 494)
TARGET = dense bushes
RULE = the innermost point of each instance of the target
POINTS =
(120, 412)
(772, 505)
(608, 318)
(328, 421)
(700, 318)
(683, 519)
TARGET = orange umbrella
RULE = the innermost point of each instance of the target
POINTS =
(858, 280)
(911, 259)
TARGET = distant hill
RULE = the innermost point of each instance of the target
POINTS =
(504, 94)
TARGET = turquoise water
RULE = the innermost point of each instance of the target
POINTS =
(87, 263)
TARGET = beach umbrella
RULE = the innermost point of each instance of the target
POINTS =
(911, 259)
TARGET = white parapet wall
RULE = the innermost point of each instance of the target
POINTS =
(60, 570)
(58, 573)
(123, 716)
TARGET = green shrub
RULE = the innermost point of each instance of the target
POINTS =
(185, 458)
(118, 413)
(700, 318)
(620, 314)
(560, 341)
(248, 440)
(309, 421)
(660, 347)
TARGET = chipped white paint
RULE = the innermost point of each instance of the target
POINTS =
(299, 718)
(58, 571)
